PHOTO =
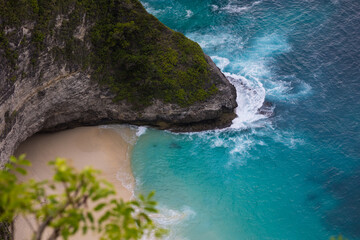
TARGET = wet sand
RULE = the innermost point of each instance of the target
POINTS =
(104, 148)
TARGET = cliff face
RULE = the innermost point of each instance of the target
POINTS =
(54, 81)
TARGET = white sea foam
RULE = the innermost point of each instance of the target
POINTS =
(250, 74)
(170, 219)
(218, 142)
(289, 91)
(238, 143)
(250, 97)
(241, 147)
(126, 136)
(126, 181)
(153, 11)
(255, 66)
(189, 13)
(221, 62)
(214, 7)
(289, 139)
(216, 40)
(140, 131)
(255, 59)
(232, 7)
(239, 153)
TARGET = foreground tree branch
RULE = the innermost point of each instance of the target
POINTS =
(72, 210)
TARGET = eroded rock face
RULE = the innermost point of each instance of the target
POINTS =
(55, 93)
(64, 99)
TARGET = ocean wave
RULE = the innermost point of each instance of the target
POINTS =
(221, 62)
(214, 7)
(255, 65)
(237, 142)
(255, 59)
(287, 89)
(170, 219)
(127, 181)
(250, 97)
(128, 137)
(153, 11)
(233, 7)
(189, 13)
(141, 130)
(251, 73)
(211, 41)
(288, 139)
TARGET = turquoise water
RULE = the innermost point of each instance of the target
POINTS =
(294, 175)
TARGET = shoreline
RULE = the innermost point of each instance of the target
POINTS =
(105, 148)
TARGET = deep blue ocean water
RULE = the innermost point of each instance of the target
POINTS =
(295, 175)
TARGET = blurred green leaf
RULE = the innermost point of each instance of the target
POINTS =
(66, 212)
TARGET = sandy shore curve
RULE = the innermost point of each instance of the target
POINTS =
(106, 148)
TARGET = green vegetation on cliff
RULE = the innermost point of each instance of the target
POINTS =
(130, 51)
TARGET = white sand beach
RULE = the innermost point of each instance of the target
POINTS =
(104, 148)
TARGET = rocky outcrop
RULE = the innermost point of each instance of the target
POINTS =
(54, 95)
(65, 98)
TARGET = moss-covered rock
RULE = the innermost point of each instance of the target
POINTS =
(124, 47)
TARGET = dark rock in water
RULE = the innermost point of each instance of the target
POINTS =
(267, 109)
(174, 145)
(53, 90)
(311, 196)
(343, 189)
(345, 215)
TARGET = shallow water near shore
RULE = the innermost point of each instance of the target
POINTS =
(291, 176)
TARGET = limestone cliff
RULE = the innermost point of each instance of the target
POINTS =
(82, 66)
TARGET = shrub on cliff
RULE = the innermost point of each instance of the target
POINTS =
(131, 51)
(71, 211)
